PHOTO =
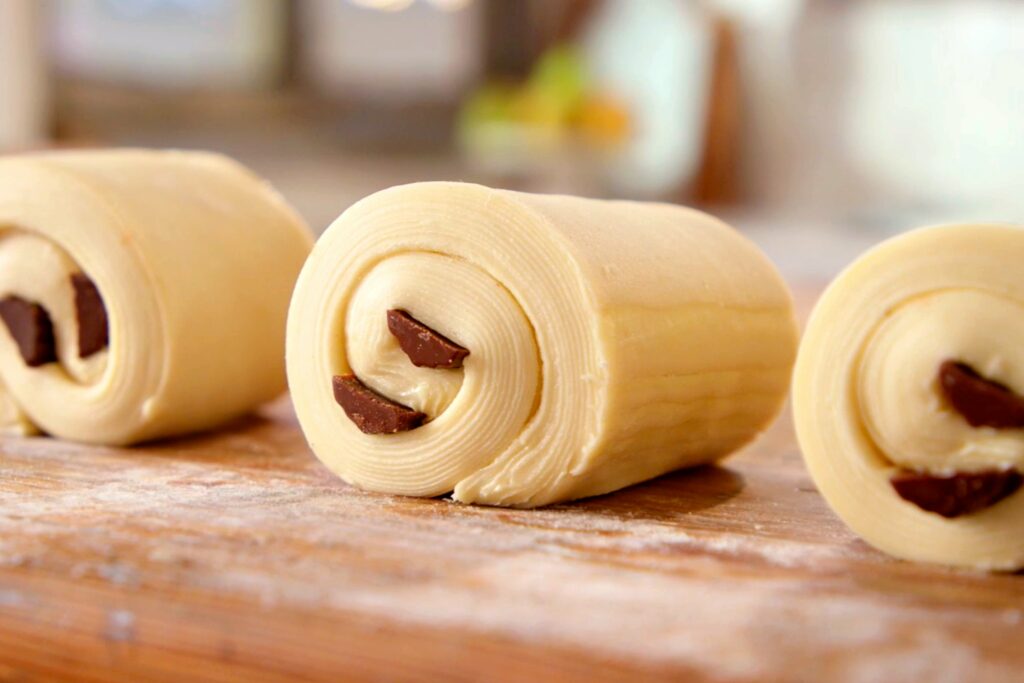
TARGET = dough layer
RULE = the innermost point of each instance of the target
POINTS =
(609, 342)
(867, 399)
(194, 258)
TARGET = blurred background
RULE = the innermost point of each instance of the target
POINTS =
(818, 127)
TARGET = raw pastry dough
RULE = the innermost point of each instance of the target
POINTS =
(194, 258)
(609, 342)
(868, 400)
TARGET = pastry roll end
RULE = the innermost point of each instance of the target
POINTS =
(142, 294)
(907, 396)
(519, 350)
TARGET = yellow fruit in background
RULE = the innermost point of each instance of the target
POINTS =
(603, 120)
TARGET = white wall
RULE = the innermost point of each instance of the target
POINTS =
(420, 52)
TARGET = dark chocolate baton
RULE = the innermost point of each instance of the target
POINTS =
(31, 328)
(91, 314)
(981, 401)
(425, 347)
(371, 412)
(957, 494)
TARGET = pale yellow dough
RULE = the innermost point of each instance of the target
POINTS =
(195, 259)
(610, 342)
(867, 400)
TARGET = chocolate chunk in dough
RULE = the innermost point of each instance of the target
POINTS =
(91, 314)
(371, 412)
(31, 328)
(425, 347)
(957, 494)
(982, 402)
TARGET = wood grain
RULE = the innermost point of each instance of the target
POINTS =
(237, 557)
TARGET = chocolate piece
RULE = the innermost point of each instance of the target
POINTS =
(425, 347)
(31, 328)
(982, 402)
(371, 412)
(91, 314)
(958, 494)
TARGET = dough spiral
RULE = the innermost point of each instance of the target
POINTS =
(891, 449)
(608, 342)
(144, 294)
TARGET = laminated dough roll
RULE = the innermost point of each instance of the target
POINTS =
(521, 349)
(142, 294)
(907, 396)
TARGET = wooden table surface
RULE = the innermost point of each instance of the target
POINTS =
(236, 556)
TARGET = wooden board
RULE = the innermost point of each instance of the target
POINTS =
(236, 556)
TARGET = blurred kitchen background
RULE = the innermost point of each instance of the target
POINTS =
(818, 127)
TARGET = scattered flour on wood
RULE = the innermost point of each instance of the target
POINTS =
(581, 576)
